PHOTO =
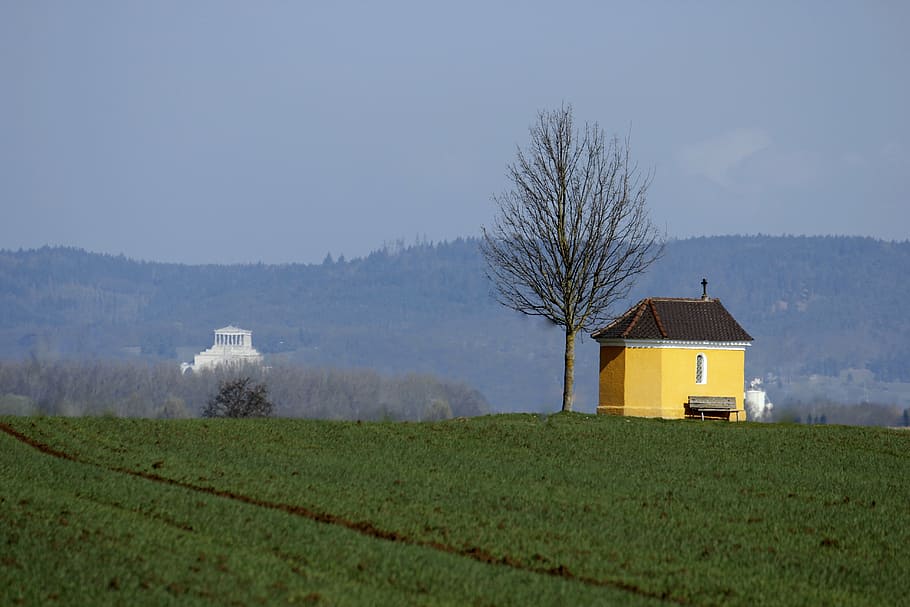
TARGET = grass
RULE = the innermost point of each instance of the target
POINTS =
(499, 510)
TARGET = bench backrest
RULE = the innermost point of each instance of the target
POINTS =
(697, 402)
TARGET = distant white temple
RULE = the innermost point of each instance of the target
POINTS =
(233, 346)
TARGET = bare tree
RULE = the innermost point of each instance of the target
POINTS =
(573, 232)
(239, 398)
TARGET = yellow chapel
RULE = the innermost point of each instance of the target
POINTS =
(673, 358)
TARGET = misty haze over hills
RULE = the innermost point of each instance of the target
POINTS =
(827, 314)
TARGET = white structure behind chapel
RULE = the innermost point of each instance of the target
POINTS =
(758, 407)
(233, 346)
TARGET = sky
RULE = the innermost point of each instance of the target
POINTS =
(275, 131)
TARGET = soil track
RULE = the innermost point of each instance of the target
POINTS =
(363, 527)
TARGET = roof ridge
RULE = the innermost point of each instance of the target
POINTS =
(660, 325)
(640, 309)
(690, 299)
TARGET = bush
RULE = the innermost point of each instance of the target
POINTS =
(239, 398)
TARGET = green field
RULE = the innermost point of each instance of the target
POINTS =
(500, 510)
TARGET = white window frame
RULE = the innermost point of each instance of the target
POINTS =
(701, 356)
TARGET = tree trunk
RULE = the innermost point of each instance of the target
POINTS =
(569, 377)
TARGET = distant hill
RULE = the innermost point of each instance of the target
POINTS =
(828, 314)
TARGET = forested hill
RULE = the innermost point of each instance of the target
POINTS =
(817, 306)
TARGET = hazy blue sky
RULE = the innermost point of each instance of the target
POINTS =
(279, 131)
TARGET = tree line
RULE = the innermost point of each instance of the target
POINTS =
(821, 412)
(137, 389)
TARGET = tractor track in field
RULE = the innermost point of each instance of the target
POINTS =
(365, 528)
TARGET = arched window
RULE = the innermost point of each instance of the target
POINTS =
(701, 369)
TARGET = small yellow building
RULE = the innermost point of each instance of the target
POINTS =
(673, 358)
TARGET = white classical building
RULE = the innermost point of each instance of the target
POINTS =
(233, 346)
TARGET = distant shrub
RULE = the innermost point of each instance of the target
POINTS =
(173, 408)
(15, 404)
(239, 398)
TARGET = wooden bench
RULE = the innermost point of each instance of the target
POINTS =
(713, 404)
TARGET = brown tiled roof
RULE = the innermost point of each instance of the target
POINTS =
(675, 319)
